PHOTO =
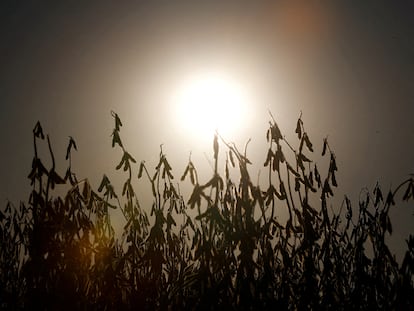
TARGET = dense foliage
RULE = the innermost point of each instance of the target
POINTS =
(61, 252)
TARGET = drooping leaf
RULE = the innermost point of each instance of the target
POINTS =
(231, 158)
(308, 183)
(269, 157)
(195, 197)
(332, 164)
(227, 172)
(327, 188)
(126, 157)
(292, 170)
(215, 147)
(390, 199)
(297, 184)
(317, 177)
(121, 163)
(192, 175)
(71, 144)
(299, 162)
(325, 144)
(409, 192)
(276, 134)
(55, 178)
(299, 128)
(104, 183)
(308, 142)
(187, 169)
(304, 158)
(38, 131)
(131, 158)
(141, 169)
(279, 154)
(118, 122)
(311, 178)
(378, 195)
(170, 220)
(388, 224)
(333, 179)
(275, 164)
(116, 139)
(348, 208)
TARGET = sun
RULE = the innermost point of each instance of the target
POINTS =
(210, 102)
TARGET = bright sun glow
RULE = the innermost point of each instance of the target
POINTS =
(210, 102)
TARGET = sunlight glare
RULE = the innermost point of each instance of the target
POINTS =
(210, 102)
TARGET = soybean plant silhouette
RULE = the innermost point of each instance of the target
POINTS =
(224, 247)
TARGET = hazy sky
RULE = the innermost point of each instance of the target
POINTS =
(348, 66)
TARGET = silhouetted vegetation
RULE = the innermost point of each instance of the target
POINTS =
(238, 251)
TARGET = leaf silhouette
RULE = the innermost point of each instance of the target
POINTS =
(308, 142)
(116, 139)
(104, 183)
(327, 188)
(390, 199)
(38, 131)
(317, 176)
(275, 132)
(332, 165)
(333, 179)
(325, 144)
(231, 158)
(215, 147)
(118, 122)
(70, 145)
(299, 128)
(141, 169)
(268, 158)
(409, 191)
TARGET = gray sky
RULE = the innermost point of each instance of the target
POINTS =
(348, 66)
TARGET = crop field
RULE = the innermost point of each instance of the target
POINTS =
(223, 247)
